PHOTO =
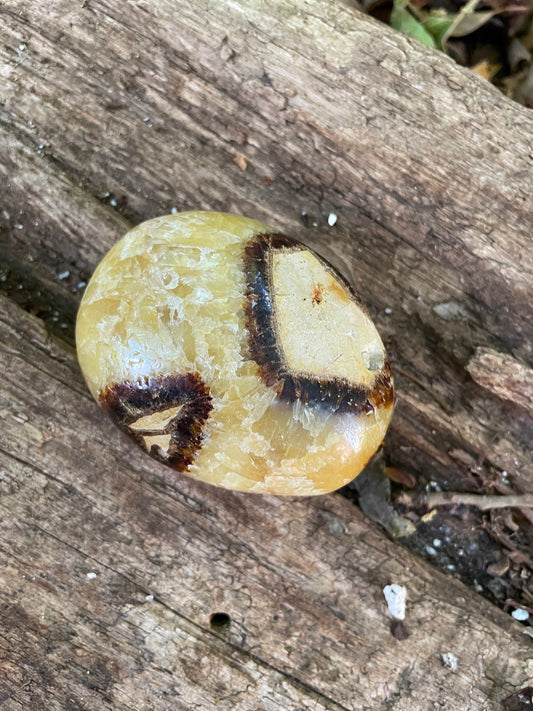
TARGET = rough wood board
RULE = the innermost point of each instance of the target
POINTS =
(113, 112)
(88, 532)
(144, 107)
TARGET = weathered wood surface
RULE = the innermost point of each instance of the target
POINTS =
(113, 112)
(111, 569)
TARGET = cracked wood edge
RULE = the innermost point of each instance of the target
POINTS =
(301, 580)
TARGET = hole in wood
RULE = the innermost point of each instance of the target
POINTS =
(219, 621)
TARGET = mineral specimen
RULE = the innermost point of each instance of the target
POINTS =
(235, 355)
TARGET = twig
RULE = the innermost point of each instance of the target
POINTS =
(481, 501)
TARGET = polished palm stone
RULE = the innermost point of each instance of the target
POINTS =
(235, 355)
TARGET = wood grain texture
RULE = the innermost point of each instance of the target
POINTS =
(113, 116)
(114, 112)
(111, 568)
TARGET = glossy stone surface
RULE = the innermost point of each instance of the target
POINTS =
(235, 355)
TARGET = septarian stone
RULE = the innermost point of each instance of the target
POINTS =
(235, 355)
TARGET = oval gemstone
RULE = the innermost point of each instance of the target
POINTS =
(235, 355)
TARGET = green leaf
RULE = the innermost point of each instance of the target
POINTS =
(401, 19)
(438, 24)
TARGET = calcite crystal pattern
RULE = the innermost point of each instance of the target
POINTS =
(235, 355)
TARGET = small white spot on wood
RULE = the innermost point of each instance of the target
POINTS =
(332, 219)
(91, 576)
(450, 660)
(395, 596)
(520, 614)
(449, 310)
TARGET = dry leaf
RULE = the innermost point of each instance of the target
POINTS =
(486, 69)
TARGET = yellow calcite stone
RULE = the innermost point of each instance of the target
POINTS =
(235, 355)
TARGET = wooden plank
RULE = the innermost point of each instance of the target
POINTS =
(332, 113)
(111, 568)
(114, 112)
(112, 116)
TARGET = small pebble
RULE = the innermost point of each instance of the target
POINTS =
(450, 661)
(520, 614)
(149, 598)
(91, 576)
(332, 219)
(396, 595)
